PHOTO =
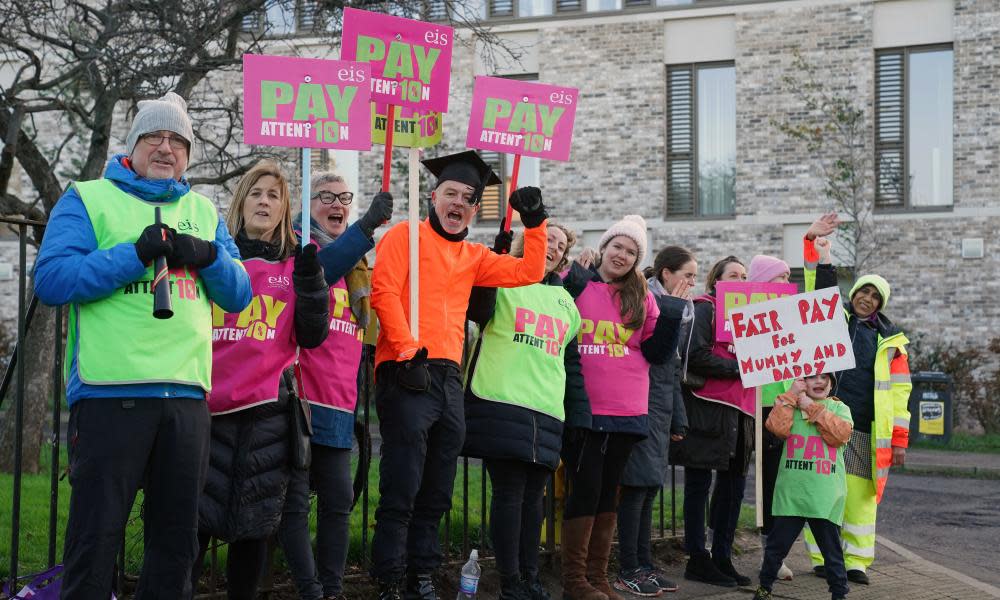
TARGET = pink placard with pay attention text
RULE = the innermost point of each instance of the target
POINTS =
(306, 103)
(410, 60)
(521, 117)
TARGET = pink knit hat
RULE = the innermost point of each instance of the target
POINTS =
(764, 268)
(631, 226)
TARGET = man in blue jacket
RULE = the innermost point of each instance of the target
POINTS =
(136, 385)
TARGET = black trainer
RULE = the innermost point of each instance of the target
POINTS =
(512, 588)
(701, 568)
(536, 591)
(725, 564)
(857, 576)
(819, 571)
(659, 578)
(635, 582)
(420, 586)
(389, 590)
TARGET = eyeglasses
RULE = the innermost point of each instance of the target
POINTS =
(345, 198)
(155, 139)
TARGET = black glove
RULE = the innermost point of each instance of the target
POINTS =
(378, 213)
(413, 374)
(527, 201)
(503, 240)
(154, 241)
(191, 251)
(308, 273)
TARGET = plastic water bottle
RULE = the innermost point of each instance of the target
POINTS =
(470, 578)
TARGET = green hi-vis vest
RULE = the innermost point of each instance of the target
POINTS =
(522, 349)
(120, 342)
(812, 480)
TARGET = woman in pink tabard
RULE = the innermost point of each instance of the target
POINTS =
(327, 377)
(719, 438)
(249, 457)
(624, 330)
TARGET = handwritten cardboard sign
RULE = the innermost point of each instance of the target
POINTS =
(410, 128)
(410, 60)
(734, 294)
(521, 117)
(791, 337)
(306, 103)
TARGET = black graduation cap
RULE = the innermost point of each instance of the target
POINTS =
(465, 167)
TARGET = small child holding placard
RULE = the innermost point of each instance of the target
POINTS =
(812, 482)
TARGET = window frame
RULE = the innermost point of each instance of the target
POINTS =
(906, 206)
(695, 214)
(581, 7)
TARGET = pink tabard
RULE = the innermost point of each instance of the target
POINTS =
(328, 375)
(615, 373)
(250, 349)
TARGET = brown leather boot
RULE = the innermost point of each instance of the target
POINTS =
(600, 551)
(575, 542)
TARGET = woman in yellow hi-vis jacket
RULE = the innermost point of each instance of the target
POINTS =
(877, 390)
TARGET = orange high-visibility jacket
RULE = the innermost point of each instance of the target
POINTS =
(448, 270)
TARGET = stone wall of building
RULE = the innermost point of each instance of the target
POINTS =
(618, 161)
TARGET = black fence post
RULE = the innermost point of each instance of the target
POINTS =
(550, 514)
(56, 434)
(661, 510)
(482, 509)
(673, 500)
(367, 357)
(15, 529)
(465, 507)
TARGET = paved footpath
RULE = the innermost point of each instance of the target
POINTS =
(896, 574)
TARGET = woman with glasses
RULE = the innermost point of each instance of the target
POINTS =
(327, 376)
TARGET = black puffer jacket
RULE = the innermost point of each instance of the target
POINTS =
(504, 431)
(248, 458)
(647, 464)
(719, 436)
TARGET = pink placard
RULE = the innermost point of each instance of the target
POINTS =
(520, 117)
(306, 103)
(735, 294)
(410, 60)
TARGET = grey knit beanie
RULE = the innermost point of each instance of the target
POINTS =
(168, 113)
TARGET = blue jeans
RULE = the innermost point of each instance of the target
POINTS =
(724, 511)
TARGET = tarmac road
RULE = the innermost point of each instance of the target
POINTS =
(951, 521)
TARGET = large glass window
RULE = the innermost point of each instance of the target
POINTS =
(914, 115)
(701, 140)
(534, 8)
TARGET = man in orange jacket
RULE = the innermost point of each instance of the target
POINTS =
(418, 390)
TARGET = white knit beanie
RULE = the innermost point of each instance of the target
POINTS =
(632, 226)
(168, 113)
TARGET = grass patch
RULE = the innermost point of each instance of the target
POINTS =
(964, 442)
(33, 552)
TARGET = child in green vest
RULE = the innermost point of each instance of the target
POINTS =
(812, 481)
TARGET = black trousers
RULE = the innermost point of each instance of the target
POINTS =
(322, 576)
(246, 561)
(422, 435)
(516, 513)
(635, 527)
(783, 534)
(594, 464)
(116, 445)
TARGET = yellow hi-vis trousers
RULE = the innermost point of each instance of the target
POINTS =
(858, 532)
